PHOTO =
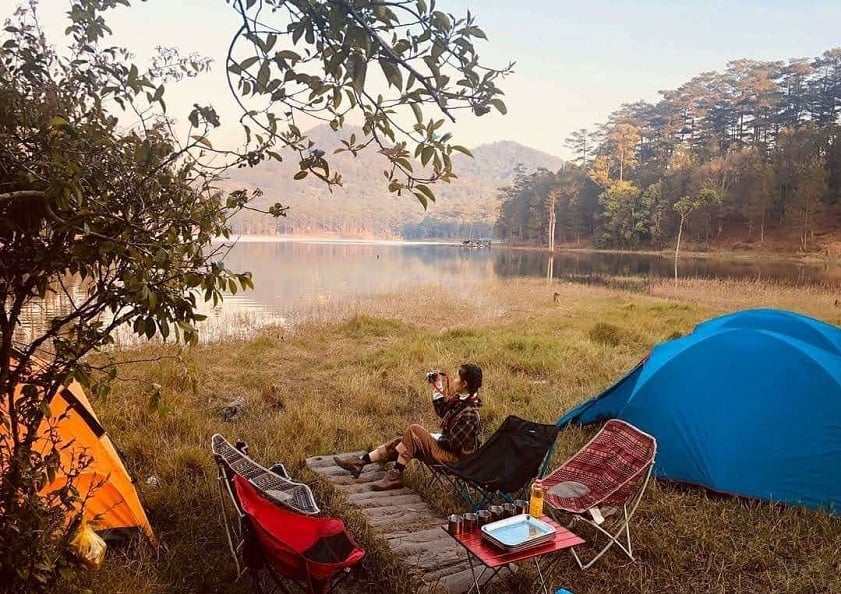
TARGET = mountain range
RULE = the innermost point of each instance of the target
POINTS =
(362, 206)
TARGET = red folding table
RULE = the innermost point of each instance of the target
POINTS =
(495, 558)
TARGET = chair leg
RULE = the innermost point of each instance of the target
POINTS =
(621, 538)
(235, 549)
(623, 530)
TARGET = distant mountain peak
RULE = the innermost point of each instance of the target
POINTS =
(499, 160)
(364, 206)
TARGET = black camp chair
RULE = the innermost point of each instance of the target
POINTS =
(502, 468)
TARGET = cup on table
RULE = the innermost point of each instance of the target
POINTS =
(454, 524)
(469, 522)
(522, 506)
(496, 512)
(508, 510)
(485, 517)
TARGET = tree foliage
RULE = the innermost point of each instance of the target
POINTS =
(382, 61)
(107, 203)
(765, 136)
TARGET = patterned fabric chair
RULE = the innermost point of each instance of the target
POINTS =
(603, 483)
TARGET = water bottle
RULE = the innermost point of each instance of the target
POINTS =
(536, 499)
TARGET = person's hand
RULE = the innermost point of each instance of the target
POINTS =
(439, 382)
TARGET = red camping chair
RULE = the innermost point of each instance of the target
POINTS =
(273, 531)
(603, 483)
(300, 548)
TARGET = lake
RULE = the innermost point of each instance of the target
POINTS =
(299, 275)
(294, 279)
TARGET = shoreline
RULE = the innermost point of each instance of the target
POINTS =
(736, 255)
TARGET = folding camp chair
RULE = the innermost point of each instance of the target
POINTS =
(606, 477)
(502, 467)
(276, 486)
(272, 527)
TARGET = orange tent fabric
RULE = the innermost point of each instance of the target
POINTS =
(112, 500)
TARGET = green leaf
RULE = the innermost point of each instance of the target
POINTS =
(151, 327)
(462, 150)
(393, 75)
(441, 21)
(248, 62)
(426, 154)
(358, 68)
(301, 174)
(417, 111)
(424, 189)
(288, 55)
(476, 32)
(263, 76)
(297, 32)
(202, 140)
(271, 39)
(500, 106)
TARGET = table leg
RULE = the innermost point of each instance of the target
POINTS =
(477, 579)
(540, 576)
(473, 573)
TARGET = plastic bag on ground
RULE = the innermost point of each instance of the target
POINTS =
(88, 546)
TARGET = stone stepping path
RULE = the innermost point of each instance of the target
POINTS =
(411, 528)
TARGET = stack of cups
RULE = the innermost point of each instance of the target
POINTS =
(466, 523)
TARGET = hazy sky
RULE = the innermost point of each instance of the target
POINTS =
(576, 61)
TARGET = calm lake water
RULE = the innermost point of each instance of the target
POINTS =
(297, 278)
(299, 275)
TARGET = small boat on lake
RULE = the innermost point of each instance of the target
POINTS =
(476, 243)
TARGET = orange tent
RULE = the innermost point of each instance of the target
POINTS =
(112, 501)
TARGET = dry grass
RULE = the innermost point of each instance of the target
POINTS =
(355, 376)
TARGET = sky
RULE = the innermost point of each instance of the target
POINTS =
(575, 61)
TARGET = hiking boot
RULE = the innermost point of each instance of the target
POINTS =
(393, 479)
(353, 464)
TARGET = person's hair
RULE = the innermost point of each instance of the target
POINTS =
(471, 374)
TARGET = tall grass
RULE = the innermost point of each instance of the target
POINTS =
(355, 375)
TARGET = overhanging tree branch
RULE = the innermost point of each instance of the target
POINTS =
(17, 194)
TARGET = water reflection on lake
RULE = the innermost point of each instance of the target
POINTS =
(293, 279)
(573, 264)
(296, 276)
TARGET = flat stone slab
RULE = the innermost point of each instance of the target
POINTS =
(411, 528)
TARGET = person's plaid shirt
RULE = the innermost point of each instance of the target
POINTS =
(460, 423)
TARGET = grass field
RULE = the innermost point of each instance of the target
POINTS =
(356, 375)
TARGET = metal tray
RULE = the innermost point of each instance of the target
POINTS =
(518, 532)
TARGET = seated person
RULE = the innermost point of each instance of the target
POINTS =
(457, 404)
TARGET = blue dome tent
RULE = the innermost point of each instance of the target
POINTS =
(748, 404)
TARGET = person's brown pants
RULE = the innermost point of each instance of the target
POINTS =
(418, 443)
